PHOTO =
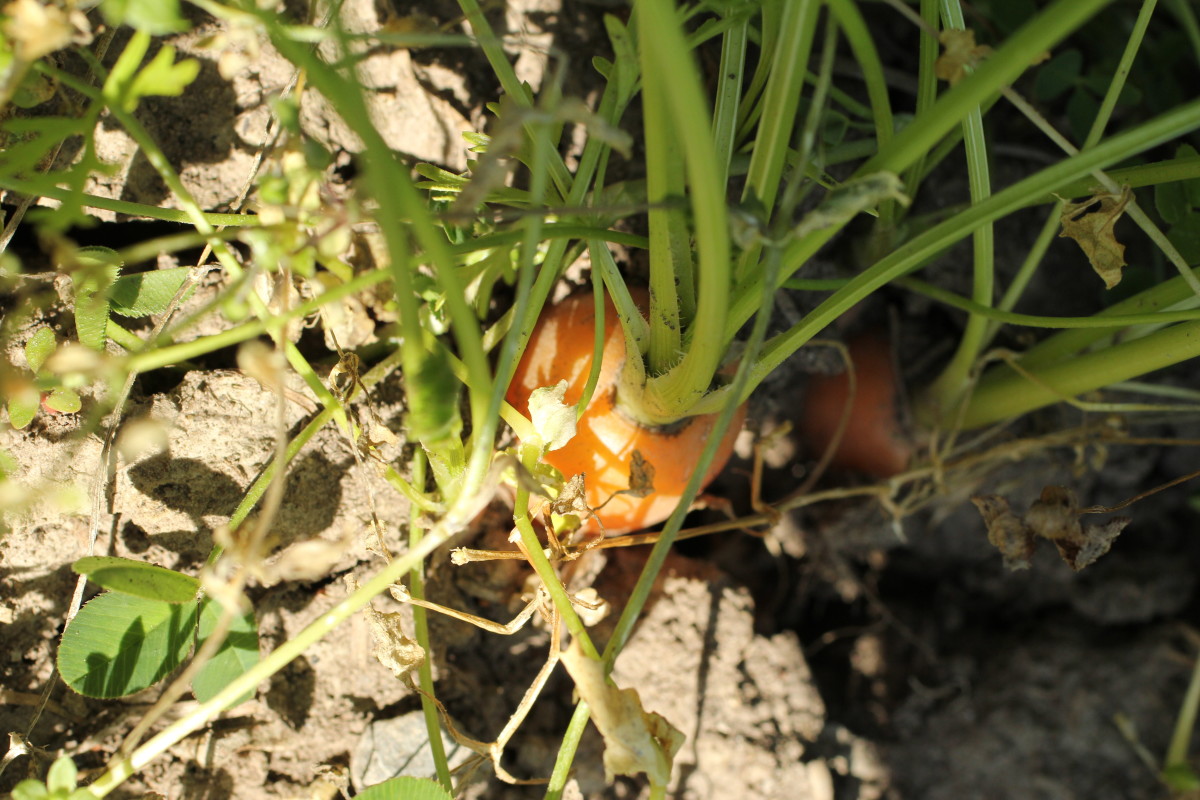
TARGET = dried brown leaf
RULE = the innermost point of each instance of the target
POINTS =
(572, 499)
(1005, 531)
(635, 740)
(1053, 516)
(1094, 232)
(641, 476)
(392, 647)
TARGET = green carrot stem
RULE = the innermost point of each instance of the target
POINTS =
(949, 387)
(668, 397)
(1007, 393)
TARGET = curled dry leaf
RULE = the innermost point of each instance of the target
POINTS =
(1006, 532)
(572, 499)
(392, 647)
(641, 476)
(1054, 516)
(635, 740)
(1094, 232)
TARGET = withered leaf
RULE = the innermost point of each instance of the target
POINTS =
(1053, 516)
(959, 52)
(1005, 531)
(1094, 232)
(392, 647)
(1098, 540)
(344, 377)
(374, 432)
(573, 498)
(635, 740)
(641, 476)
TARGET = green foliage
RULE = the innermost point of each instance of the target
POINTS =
(148, 581)
(8, 465)
(61, 784)
(23, 406)
(432, 399)
(1178, 203)
(156, 17)
(1064, 74)
(119, 644)
(137, 633)
(34, 90)
(238, 652)
(144, 293)
(25, 398)
(405, 788)
(786, 122)
(95, 270)
(63, 400)
(39, 347)
(127, 84)
(100, 290)
(1181, 778)
(162, 77)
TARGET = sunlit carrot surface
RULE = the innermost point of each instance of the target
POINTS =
(560, 348)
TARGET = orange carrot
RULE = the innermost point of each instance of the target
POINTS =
(560, 348)
(873, 442)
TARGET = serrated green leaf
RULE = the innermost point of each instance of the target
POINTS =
(62, 775)
(146, 292)
(138, 578)
(162, 76)
(405, 788)
(39, 347)
(238, 653)
(23, 407)
(156, 17)
(98, 267)
(95, 255)
(36, 138)
(119, 644)
(64, 400)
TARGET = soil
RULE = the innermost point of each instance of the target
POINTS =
(841, 656)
